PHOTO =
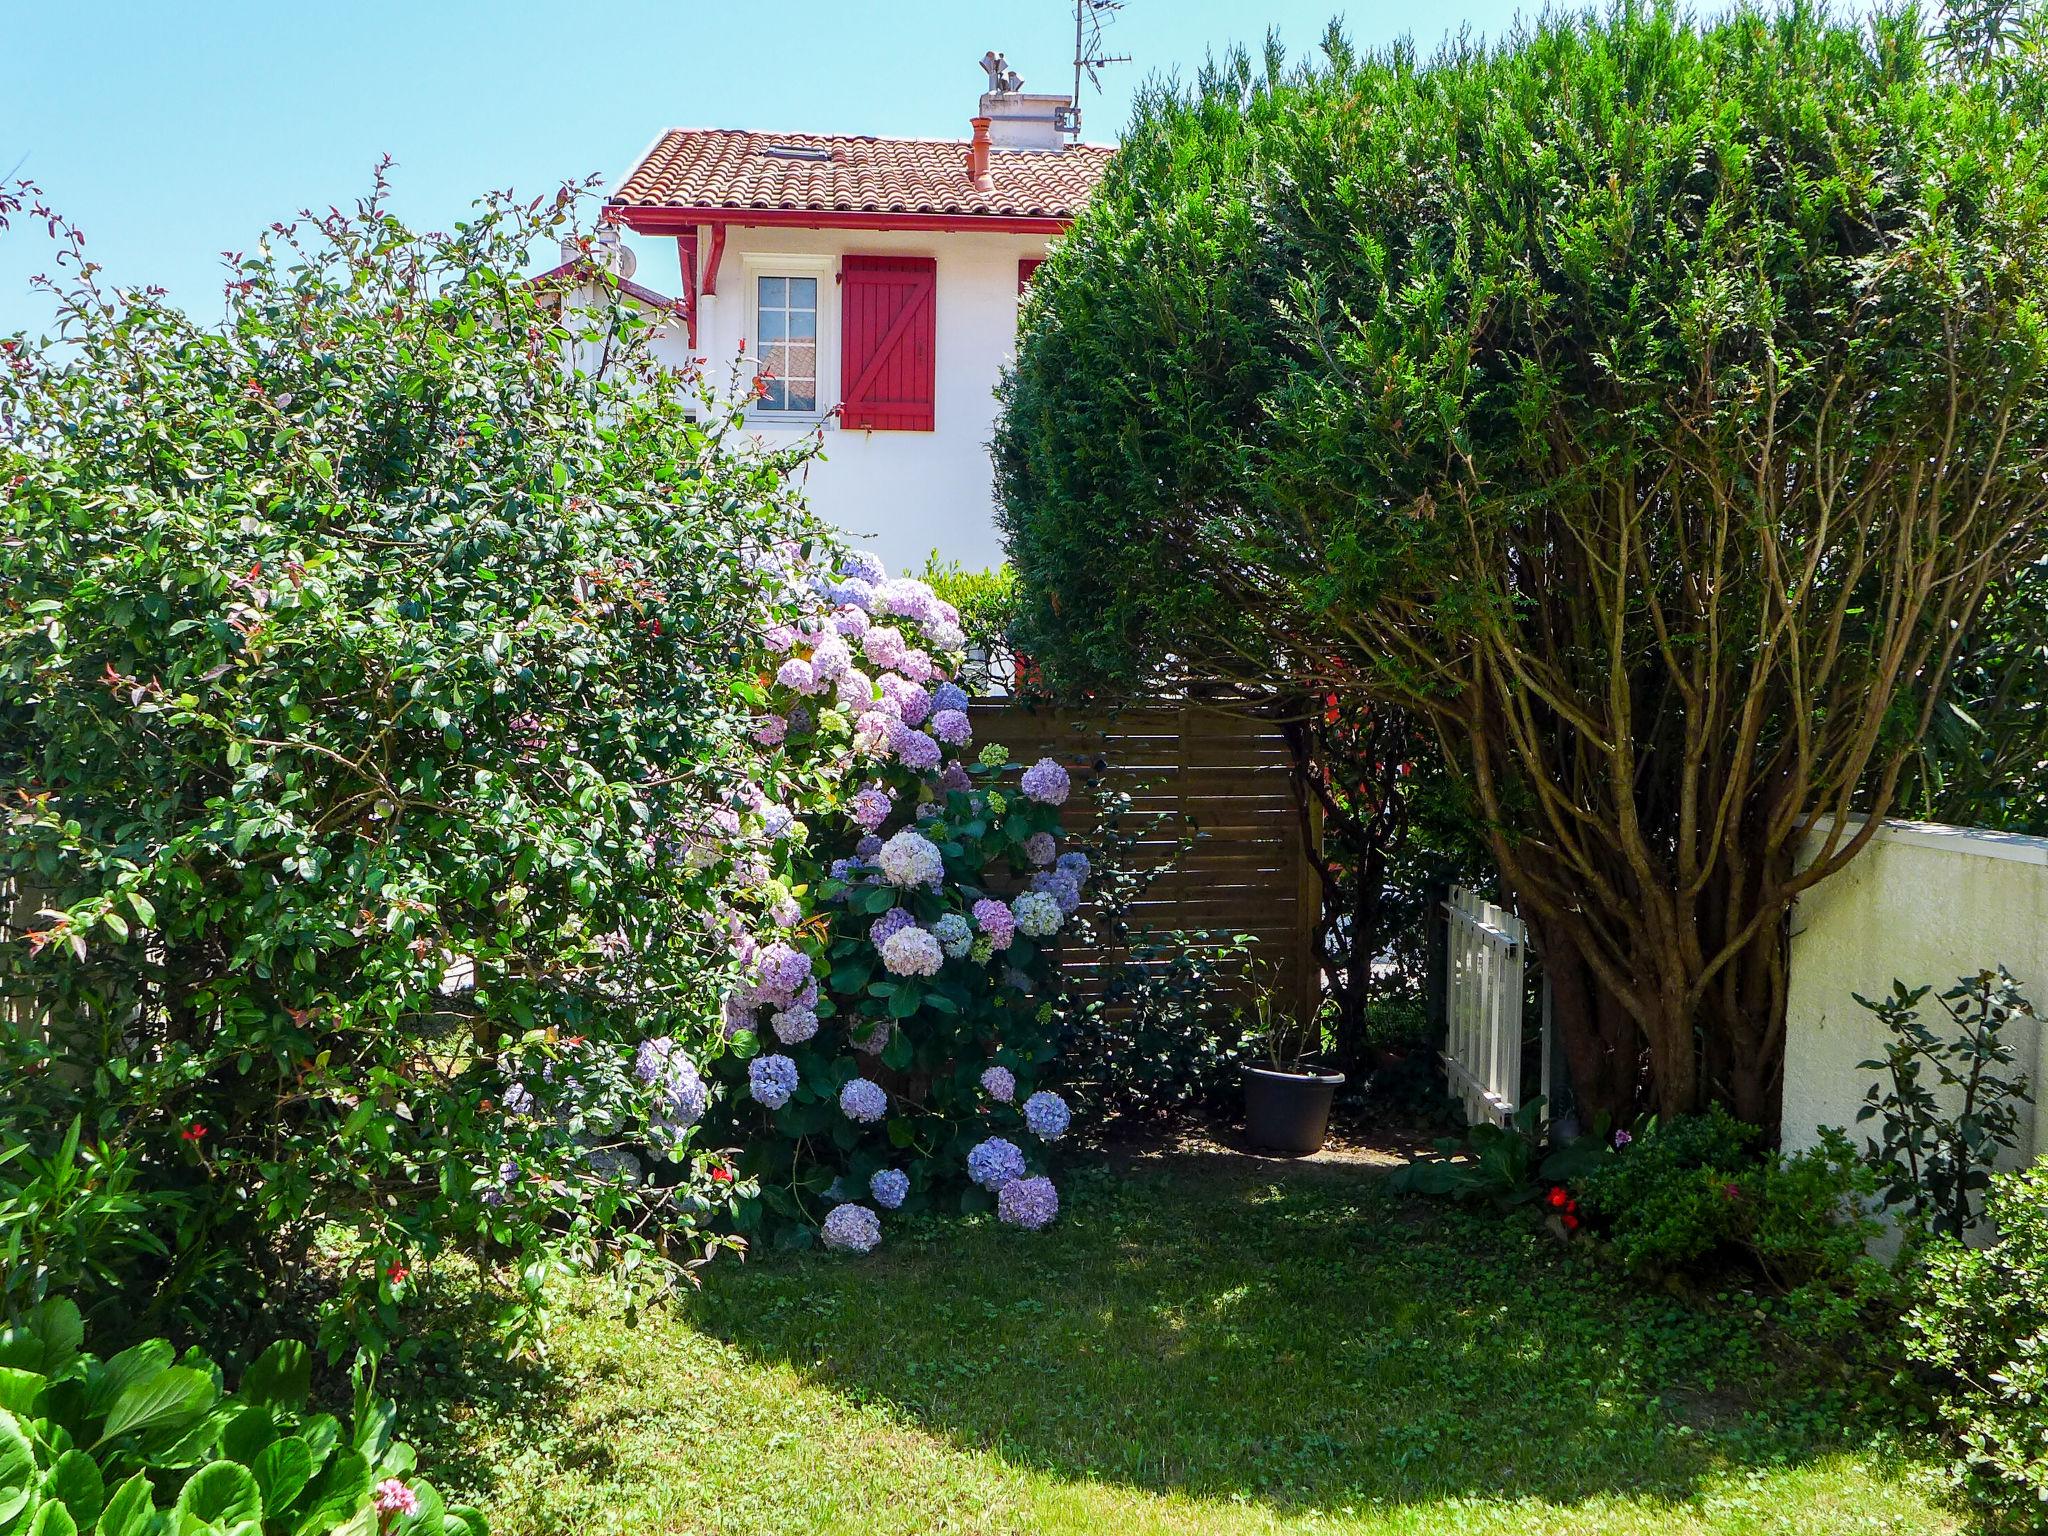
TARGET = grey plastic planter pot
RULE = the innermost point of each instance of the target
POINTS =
(1288, 1111)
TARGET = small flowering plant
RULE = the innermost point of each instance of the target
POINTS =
(902, 1017)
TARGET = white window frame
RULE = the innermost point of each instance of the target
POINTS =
(754, 266)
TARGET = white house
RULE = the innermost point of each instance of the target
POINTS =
(875, 282)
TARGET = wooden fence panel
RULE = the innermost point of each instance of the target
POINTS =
(1224, 777)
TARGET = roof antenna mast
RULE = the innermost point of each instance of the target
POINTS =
(1090, 18)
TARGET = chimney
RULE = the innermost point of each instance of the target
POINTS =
(977, 157)
(1010, 119)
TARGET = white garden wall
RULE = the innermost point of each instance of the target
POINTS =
(1921, 903)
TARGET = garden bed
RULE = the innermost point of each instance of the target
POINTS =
(1208, 1341)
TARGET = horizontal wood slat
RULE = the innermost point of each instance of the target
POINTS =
(1225, 779)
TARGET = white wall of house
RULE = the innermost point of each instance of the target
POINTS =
(1924, 904)
(901, 494)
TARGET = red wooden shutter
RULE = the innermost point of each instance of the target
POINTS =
(1026, 265)
(887, 342)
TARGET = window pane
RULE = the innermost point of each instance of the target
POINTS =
(803, 293)
(774, 292)
(774, 326)
(776, 399)
(801, 360)
(802, 397)
(803, 322)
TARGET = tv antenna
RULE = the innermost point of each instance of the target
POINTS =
(1091, 17)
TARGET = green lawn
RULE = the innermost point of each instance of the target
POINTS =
(1205, 1343)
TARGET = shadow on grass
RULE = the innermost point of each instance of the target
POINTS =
(1220, 1325)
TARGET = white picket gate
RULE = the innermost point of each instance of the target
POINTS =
(1484, 976)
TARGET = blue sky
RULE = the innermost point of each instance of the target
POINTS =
(172, 132)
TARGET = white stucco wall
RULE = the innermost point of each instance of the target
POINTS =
(902, 494)
(1924, 904)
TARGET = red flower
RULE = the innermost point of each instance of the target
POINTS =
(1557, 1197)
(192, 1132)
(396, 1273)
(1571, 1222)
(721, 1175)
(1571, 1207)
(1731, 1191)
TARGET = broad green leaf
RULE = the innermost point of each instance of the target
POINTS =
(281, 1377)
(244, 1433)
(53, 1519)
(18, 1478)
(174, 1399)
(220, 1493)
(131, 1511)
(282, 1471)
(340, 1491)
(75, 1481)
(106, 1381)
(19, 1390)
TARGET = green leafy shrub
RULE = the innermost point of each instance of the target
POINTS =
(73, 1221)
(1940, 1139)
(1672, 1196)
(1979, 1327)
(354, 656)
(1695, 1193)
(147, 1443)
(1453, 382)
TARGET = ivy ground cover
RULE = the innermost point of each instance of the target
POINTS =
(1205, 1343)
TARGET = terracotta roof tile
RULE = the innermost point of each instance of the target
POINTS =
(725, 168)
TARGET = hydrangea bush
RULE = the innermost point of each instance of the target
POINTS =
(891, 1014)
(369, 684)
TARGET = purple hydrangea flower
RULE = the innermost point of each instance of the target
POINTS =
(917, 666)
(799, 721)
(1040, 847)
(1046, 782)
(955, 778)
(913, 704)
(863, 565)
(949, 696)
(795, 674)
(517, 1100)
(1064, 889)
(782, 972)
(850, 621)
(851, 1229)
(830, 659)
(996, 921)
(1075, 865)
(995, 1162)
(884, 645)
(1028, 1203)
(876, 1039)
(771, 731)
(1622, 1139)
(863, 1100)
(914, 749)
(1038, 915)
(951, 726)
(889, 924)
(889, 1186)
(871, 806)
(779, 637)
(946, 634)
(910, 858)
(677, 1089)
(911, 951)
(771, 1080)
(873, 733)
(855, 690)
(793, 1026)
(1000, 1084)
(1047, 1115)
